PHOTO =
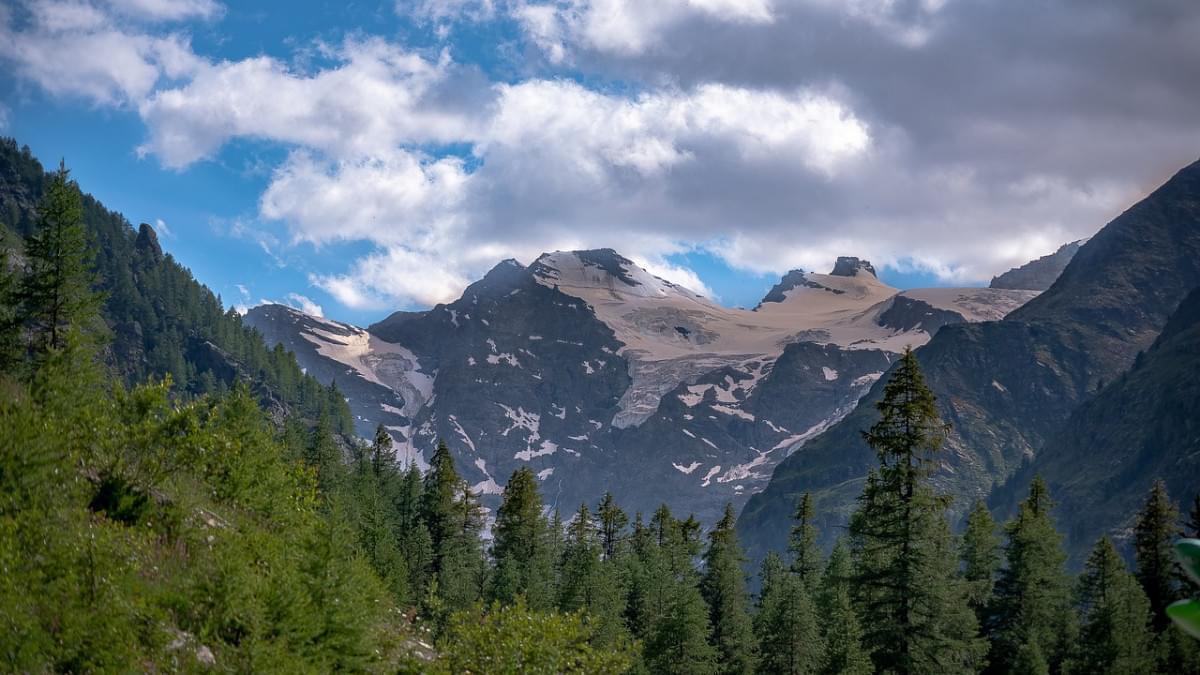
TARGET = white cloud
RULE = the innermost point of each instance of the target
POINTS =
(75, 49)
(374, 98)
(168, 10)
(380, 279)
(162, 228)
(305, 305)
(447, 10)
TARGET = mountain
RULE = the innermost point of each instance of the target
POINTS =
(160, 319)
(590, 370)
(1040, 274)
(1008, 386)
(1143, 426)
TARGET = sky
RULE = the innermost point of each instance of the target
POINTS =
(351, 159)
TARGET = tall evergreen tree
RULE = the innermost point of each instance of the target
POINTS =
(1157, 570)
(980, 557)
(453, 517)
(612, 523)
(382, 458)
(1115, 636)
(590, 584)
(724, 588)
(1032, 619)
(522, 545)
(412, 535)
(56, 293)
(786, 626)
(906, 569)
(806, 554)
(841, 630)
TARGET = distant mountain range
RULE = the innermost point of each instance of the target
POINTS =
(599, 375)
(1048, 388)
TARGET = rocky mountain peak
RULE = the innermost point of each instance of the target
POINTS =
(849, 266)
(147, 242)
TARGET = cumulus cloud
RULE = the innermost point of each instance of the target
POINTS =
(377, 96)
(951, 137)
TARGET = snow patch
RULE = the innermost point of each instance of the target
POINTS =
(686, 469)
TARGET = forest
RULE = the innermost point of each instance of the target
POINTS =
(165, 513)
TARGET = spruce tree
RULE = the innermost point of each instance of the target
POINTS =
(786, 626)
(454, 519)
(590, 584)
(55, 294)
(840, 627)
(906, 576)
(806, 554)
(382, 457)
(724, 588)
(1157, 571)
(412, 535)
(677, 643)
(522, 545)
(1115, 636)
(980, 557)
(1032, 619)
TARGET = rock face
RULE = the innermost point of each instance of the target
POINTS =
(1038, 275)
(1143, 426)
(1009, 386)
(600, 376)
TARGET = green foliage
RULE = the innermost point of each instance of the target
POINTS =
(1157, 572)
(522, 547)
(786, 625)
(55, 293)
(806, 555)
(1115, 636)
(915, 607)
(841, 629)
(980, 557)
(724, 588)
(1032, 614)
(517, 639)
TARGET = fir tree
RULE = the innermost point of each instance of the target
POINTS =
(56, 292)
(806, 555)
(1031, 616)
(1115, 636)
(841, 629)
(786, 623)
(980, 557)
(522, 545)
(724, 588)
(906, 569)
(1157, 571)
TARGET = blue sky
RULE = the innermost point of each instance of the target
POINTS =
(371, 157)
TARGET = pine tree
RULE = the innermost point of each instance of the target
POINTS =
(724, 588)
(1157, 571)
(56, 293)
(1115, 636)
(806, 555)
(841, 629)
(980, 556)
(522, 545)
(906, 569)
(1032, 616)
(786, 623)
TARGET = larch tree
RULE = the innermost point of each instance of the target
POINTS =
(522, 548)
(841, 629)
(1157, 572)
